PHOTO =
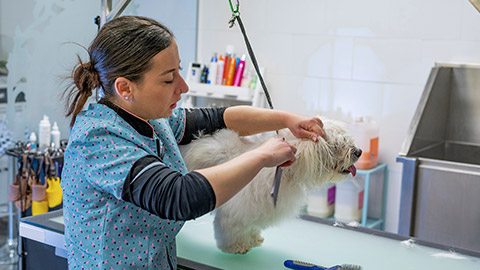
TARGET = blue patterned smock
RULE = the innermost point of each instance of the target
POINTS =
(101, 230)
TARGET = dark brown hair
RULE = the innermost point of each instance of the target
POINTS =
(122, 48)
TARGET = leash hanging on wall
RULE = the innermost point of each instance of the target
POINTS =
(236, 17)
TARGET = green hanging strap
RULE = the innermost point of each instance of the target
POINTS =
(236, 17)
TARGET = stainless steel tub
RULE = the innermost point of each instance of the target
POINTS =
(440, 199)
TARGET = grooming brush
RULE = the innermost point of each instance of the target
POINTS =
(298, 265)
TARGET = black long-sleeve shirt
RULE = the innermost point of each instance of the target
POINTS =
(153, 186)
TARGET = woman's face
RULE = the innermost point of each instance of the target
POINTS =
(157, 93)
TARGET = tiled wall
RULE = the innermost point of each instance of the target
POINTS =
(369, 57)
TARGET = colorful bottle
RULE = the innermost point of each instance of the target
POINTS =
(231, 70)
(228, 55)
(239, 72)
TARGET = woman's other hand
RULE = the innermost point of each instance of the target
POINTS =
(305, 126)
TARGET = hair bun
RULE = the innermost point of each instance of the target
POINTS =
(86, 78)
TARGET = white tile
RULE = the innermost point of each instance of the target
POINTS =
(395, 19)
(368, 18)
(316, 95)
(323, 57)
(213, 14)
(358, 98)
(426, 19)
(285, 92)
(387, 60)
(455, 51)
(215, 41)
(399, 105)
(299, 17)
(274, 52)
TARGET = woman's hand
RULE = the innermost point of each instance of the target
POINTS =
(276, 152)
(305, 126)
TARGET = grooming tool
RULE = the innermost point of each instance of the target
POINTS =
(276, 185)
(298, 265)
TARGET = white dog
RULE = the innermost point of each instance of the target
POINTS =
(239, 221)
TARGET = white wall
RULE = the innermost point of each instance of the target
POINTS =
(369, 57)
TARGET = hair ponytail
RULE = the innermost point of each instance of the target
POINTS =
(85, 80)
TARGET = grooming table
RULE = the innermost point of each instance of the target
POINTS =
(318, 241)
(308, 239)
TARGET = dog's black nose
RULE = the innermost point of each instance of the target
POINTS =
(358, 152)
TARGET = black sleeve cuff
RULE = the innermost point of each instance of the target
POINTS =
(165, 192)
(205, 120)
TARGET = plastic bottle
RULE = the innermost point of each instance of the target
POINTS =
(33, 140)
(44, 132)
(220, 68)
(239, 72)
(194, 73)
(228, 55)
(321, 201)
(231, 70)
(212, 71)
(366, 133)
(55, 135)
(349, 200)
(246, 78)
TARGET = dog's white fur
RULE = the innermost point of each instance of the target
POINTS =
(239, 221)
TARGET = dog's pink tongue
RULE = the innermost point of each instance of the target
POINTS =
(352, 170)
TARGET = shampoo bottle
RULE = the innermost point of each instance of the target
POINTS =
(239, 72)
(44, 132)
(231, 70)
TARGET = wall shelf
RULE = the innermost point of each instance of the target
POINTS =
(220, 92)
(227, 94)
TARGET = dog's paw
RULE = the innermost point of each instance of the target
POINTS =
(257, 239)
(237, 248)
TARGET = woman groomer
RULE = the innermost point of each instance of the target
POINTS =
(126, 189)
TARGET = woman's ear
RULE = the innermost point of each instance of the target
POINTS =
(123, 88)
